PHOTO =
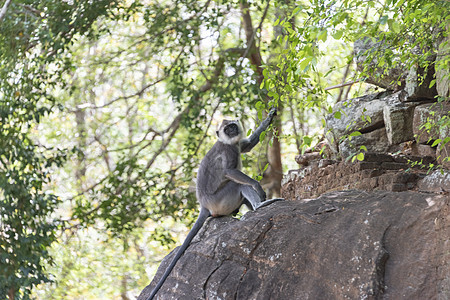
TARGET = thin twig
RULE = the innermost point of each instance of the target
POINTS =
(342, 85)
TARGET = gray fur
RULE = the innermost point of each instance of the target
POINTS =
(221, 186)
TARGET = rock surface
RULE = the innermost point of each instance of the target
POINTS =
(377, 172)
(417, 87)
(398, 119)
(374, 141)
(378, 76)
(430, 113)
(384, 121)
(342, 245)
(362, 114)
(443, 69)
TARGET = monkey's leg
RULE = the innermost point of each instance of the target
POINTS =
(244, 202)
(252, 197)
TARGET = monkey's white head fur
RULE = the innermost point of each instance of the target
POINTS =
(230, 132)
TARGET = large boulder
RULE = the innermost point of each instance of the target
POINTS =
(416, 81)
(342, 245)
(374, 141)
(363, 114)
(382, 77)
(430, 124)
(384, 120)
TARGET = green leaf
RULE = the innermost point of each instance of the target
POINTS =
(262, 136)
(436, 142)
(394, 26)
(432, 83)
(360, 156)
(307, 140)
(355, 133)
(383, 20)
(337, 115)
(323, 35)
(304, 64)
(338, 34)
(276, 22)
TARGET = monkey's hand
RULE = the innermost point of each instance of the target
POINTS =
(250, 142)
(272, 112)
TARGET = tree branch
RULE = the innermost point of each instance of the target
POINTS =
(342, 85)
(250, 33)
(4, 9)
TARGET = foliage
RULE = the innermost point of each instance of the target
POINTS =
(91, 265)
(143, 90)
(173, 67)
(404, 31)
(117, 101)
(33, 37)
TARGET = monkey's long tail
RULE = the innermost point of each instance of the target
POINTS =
(204, 214)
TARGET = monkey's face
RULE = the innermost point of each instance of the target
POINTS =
(229, 132)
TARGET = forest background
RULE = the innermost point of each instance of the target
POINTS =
(107, 107)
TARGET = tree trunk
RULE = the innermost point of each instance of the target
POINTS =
(274, 173)
(80, 172)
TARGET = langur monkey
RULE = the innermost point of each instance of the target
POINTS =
(221, 186)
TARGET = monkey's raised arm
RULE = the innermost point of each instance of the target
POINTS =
(247, 144)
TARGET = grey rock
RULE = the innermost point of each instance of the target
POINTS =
(374, 141)
(430, 113)
(398, 122)
(417, 85)
(377, 108)
(435, 182)
(382, 77)
(422, 150)
(442, 70)
(443, 150)
(343, 245)
(354, 113)
(398, 119)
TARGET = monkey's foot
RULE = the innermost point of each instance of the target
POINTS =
(268, 202)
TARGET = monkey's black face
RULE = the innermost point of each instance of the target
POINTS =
(231, 130)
